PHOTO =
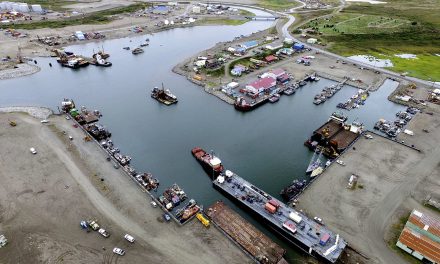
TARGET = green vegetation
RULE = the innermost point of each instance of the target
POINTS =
(100, 17)
(246, 13)
(278, 5)
(384, 30)
(302, 18)
(224, 21)
(395, 230)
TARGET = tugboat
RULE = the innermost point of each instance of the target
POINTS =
(274, 98)
(290, 192)
(209, 162)
(99, 60)
(163, 96)
(137, 51)
(241, 105)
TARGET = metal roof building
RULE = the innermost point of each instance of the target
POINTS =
(421, 237)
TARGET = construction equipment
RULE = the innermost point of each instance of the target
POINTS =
(202, 219)
(12, 123)
(87, 138)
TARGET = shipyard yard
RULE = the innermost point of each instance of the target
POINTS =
(327, 172)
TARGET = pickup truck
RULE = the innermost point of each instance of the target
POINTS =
(103, 232)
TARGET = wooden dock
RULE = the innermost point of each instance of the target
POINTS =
(256, 244)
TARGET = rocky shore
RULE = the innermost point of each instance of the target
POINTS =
(19, 70)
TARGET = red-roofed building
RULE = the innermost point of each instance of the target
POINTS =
(420, 237)
(270, 58)
(261, 85)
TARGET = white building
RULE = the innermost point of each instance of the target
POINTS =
(312, 40)
(37, 8)
(196, 9)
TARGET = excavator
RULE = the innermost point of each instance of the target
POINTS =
(12, 123)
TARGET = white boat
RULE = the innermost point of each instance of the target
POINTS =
(315, 162)
(316, 172)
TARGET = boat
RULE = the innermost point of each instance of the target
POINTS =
(289, 91)
(290, 192)
(315, 162)
(137, 51)
(144, 44)
(242, 105)
(339, 116)
(317, 101)
(126, 48)
(211, 164)
(274, 98)
(317, 171)
(302, 83)
(99, 60)
(163, 95)
(187, 213)
(292, 225)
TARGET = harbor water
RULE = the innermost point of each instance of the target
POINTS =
(264, 146)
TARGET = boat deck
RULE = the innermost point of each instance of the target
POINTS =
(345, 138)
(308, 234)
(333, 127)
(245, 234)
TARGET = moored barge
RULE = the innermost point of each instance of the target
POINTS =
(164, 96)
(311, 237)
(210, 163)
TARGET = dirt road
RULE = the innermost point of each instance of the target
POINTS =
(63, 180)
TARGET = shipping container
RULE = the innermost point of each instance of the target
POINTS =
(270, 208)
(274, 203)
(324, 239)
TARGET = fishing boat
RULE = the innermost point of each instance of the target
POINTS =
(137, 51)
(126, 48)
(289, 91)
(290, 192)
(163, 95)
(274, 98)
(302, 83)
(99, 60)
(315, 162)
(144, 44)
(209, 162)
(187, 213)
(242, 105)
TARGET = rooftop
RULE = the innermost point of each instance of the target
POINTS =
(264, 83)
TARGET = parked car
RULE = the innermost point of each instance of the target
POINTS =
(154, 204)
(44, 121)
(119, 251)
(129, 238)
(166, 217)
(33, 150)
(103, 232)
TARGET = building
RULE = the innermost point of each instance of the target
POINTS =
(238, 69)
(285, 51)
(161, 10)
(196, 9)
(298, 46)
(79, 35)
(288, 41)
(212, 63)
(270, 58)
(312, 40)
(421, 237)
(261, 85)
(249, 44)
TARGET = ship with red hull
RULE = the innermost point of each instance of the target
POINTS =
(210, 163)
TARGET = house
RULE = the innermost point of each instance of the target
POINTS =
(312, 40)
(420, 237)
(286, 51)
(261, 85)
(288, 41)
(212, 63)
(196, 9)
(270, 58)
(273, 46)
(249, 44)
(275, 73)
(238, 70)
(283, 78)
(200, 63)
(161, 10)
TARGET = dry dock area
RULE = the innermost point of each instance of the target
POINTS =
(391, 178)
(253, 241)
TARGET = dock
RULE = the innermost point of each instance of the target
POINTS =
(250, 239)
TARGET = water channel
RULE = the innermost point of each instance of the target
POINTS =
(264, 146)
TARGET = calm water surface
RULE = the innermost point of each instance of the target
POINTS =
(264, 146)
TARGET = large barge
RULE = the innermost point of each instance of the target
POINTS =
(210, 163)
(333, 137)
(259, 246)
(311, 237)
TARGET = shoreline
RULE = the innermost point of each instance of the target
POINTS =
(39, 112)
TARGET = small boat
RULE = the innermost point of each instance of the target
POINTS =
(302, 83)
(289, 91)
(317, 101)
(274, 98)
(316, 172)
(242, 105)
(137, 51)
(126, 48)
(144, 44)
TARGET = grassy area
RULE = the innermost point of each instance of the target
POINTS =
(301, 18)
(395, 231)
(384, 30)
(100, 17)
(278, 5)
(217, 72)
(246, 13)
(224, 21)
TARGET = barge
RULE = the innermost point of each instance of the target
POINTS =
(248, 237)
(333, 137)
(163, 96)
(301, 231)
